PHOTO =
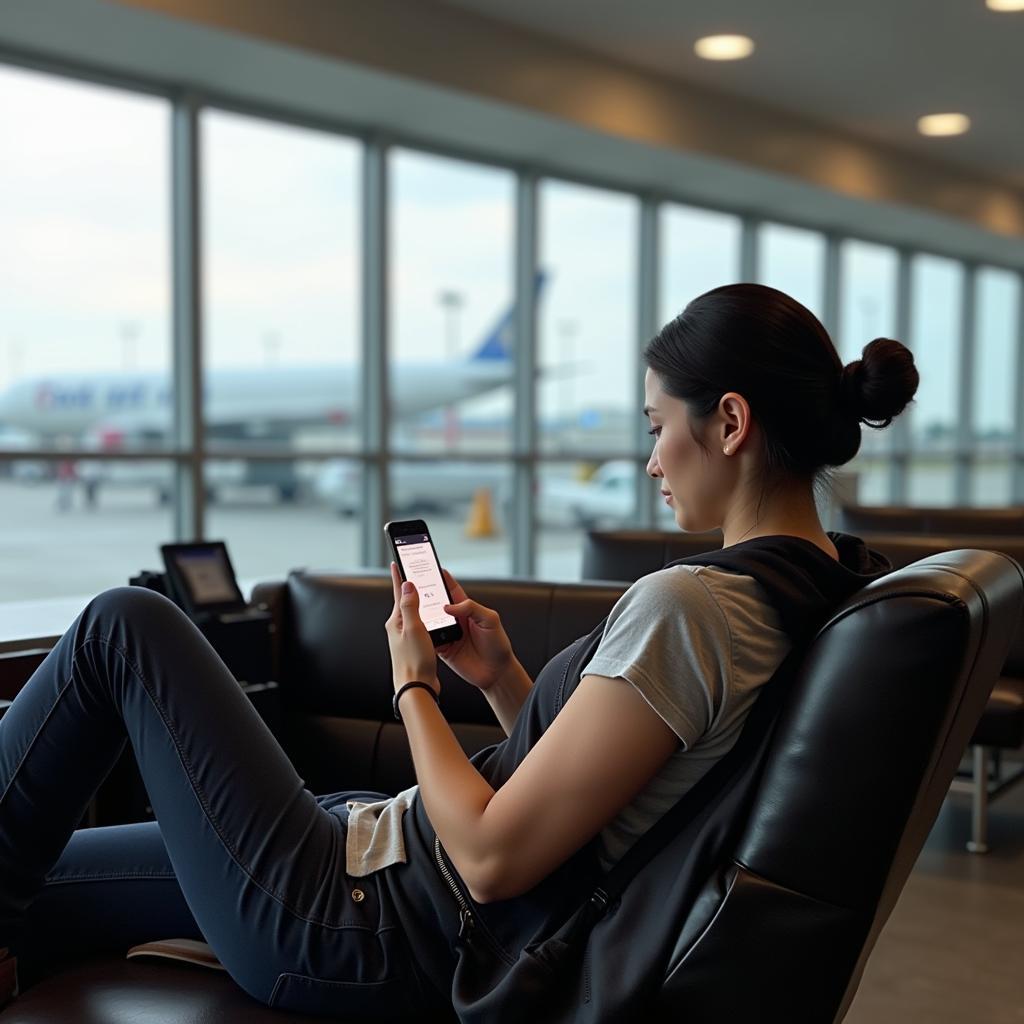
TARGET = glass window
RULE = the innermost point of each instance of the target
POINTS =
(281, 210)
(282, 515)
(75, 527)
(996, 310)
(935, 342)
(588, 394)
(578, 496)
(452, 331)
(700, 250)
(995, 358)
(465, 504)
(84, 264)
(867, 310)
(793, 260)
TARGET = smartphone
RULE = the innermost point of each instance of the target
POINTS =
(417, 561)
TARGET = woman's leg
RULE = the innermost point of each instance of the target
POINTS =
(260, 863)
(111, 889)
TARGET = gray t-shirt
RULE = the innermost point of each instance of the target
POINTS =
(697, 642)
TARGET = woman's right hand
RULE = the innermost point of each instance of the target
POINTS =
(484, 654)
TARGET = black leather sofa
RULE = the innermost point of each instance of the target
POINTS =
(915, 519)
(629, 554)
(822, 855)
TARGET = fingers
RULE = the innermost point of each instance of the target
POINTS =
(454, 586)
(468, 609)
(396, 587)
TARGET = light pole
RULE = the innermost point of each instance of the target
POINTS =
(567, 330)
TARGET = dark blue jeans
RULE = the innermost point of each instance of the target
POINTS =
(241, 854)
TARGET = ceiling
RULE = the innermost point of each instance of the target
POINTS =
(868, 67)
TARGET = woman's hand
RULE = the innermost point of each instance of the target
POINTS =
(412, 650)
(484, 653)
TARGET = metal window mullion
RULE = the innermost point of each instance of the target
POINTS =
(1018, 426)
(524, 518)
(831, 311)
(648, 291)
(750, 248)
(373, 364)
(967, 345)
(900, 443)
(186, 241)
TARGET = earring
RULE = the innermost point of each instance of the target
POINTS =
(726, 451)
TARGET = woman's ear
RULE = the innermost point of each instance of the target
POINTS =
(734, 412)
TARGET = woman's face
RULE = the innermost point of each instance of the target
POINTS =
(698, 483)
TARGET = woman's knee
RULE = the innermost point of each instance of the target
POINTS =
(133, 604)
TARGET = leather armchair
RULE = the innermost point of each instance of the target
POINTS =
(629, 554)
(855, 774)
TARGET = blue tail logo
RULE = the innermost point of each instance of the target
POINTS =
(497, 345)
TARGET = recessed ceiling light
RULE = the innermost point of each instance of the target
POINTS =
(1005, 5)
(943, 124)
(724, 47)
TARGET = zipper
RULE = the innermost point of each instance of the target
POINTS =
(467, 922)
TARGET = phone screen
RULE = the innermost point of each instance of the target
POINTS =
(416, 554)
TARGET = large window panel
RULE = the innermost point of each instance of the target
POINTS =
(465, 504)
(588, 397)
(867, 310)
(574, 497)
(451, 290)
(935, 341)
(793, 260)
(281, 209)
(266, 535)
(72, 529)
(700, 250)
(84, 265)
(996, 312)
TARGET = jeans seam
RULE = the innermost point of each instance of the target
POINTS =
(104, 876)
(197, 790)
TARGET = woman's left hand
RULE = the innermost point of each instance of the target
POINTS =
(412, 650)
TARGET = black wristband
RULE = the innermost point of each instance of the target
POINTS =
(411, 686)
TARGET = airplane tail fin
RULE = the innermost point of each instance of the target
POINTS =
(497, 344)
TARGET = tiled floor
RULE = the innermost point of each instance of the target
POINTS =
(953, 950)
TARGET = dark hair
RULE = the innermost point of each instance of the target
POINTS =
(766, 346)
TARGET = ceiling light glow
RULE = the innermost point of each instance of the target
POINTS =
(943, 124)
(1005, 5)
(724, 47)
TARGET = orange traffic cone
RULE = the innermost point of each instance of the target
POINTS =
(481, 515)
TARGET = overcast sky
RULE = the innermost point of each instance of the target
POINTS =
(85, 257)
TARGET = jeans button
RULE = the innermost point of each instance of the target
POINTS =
(358, 895)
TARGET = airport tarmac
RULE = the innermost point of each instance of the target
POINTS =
(47, 551)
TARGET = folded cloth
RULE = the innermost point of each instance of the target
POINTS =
(187, 950)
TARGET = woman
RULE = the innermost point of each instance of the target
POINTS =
(335, 904)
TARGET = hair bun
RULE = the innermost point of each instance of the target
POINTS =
(877, 387)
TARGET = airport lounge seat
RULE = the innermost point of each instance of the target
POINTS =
(822, 854)
(915, 519)
(629, 554)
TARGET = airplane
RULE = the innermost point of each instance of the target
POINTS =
(119, 411)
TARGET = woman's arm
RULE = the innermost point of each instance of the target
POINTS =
(602, 748)
(508, 694)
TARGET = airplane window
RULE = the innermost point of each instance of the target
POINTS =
(85, 330)
(700, 251)
(867, 310)
(935, 335)
(995, 359)
(588, 393)
(793, 260)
